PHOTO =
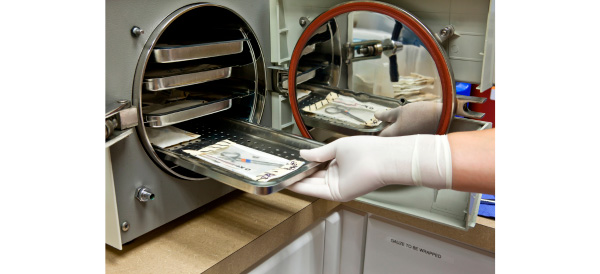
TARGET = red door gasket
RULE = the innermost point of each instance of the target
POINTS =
(408, 20)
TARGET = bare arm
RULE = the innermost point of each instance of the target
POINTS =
(473, 161)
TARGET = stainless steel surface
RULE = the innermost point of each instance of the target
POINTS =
(371, 49)
(302, 77)
(170, 54)
(390, 47)
(109, 125)
(125, 226)
(259, 73)
(137, 31)
(117, 135)
(281, 73)
(126, 61)
(259, 97)
(161, 118)
(114, 107)
(122, 119)
(321, 29)
(170, 82)
(463, 124)
(338, 109)
(275, 142)
(463, 110)
(333, 69)
(127, 118)
(319, 92)
(366, 48)
(144, 194)
(309, 49)
(119, 116)
(322, 55)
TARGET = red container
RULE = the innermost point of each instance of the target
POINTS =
(488, 107)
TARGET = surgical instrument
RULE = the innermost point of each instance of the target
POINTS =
(235, 156)
(338, 109)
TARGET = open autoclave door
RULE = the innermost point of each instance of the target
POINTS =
(357, 58)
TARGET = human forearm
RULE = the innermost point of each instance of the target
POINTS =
(473, 161)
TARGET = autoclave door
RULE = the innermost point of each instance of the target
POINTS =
(358, 58)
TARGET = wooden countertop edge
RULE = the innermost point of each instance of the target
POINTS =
(259, 249)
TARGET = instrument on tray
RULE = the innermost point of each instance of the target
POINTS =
(338, 109)
(234, 156)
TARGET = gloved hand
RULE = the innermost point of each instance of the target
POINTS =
(361, 164)
(412, 118)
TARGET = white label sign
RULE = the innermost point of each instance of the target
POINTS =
(420, 248)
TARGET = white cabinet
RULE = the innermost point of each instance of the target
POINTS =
(303, 255)
(349, 242)
(339, 238)
(392, 249)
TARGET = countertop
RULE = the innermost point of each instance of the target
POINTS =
(234, 232)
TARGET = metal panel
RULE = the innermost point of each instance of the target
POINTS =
(112, 232)
(131, 165)
(132, 168)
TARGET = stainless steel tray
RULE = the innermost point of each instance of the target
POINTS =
(182, 111)
(309, 49)
(177, 53)
(272, 141)
(197, 105)
(187, 79)
(319, 92)
(303, 76)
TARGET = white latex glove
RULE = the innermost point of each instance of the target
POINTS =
(412, 118)
(361, 164)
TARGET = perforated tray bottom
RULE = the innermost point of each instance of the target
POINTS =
(211, 134)
(213, 130)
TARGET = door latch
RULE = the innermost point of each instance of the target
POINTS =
(463, 110)
(119, 116)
